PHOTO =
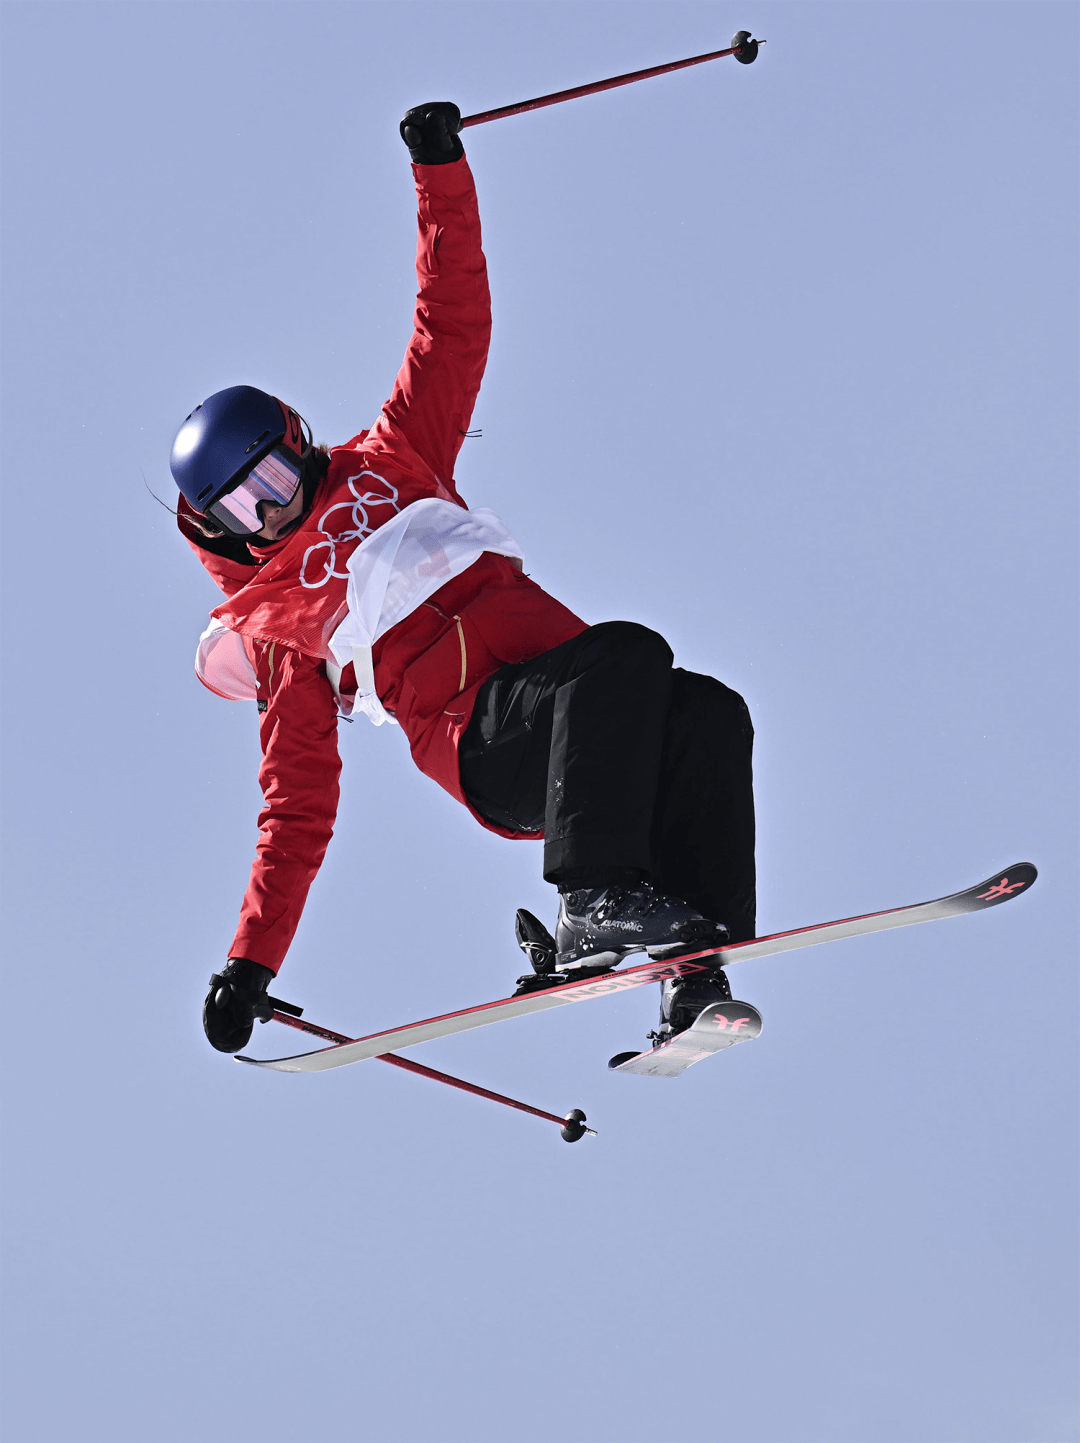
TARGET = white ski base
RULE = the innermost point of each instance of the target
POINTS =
(721, 1025)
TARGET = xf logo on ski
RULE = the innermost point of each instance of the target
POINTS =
(731, 1024)
(738, 1021)
(1002, 889)
(719, 1026)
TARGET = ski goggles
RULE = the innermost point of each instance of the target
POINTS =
(275, 479)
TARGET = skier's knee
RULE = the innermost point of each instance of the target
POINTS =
(630, 639)
(720, 709)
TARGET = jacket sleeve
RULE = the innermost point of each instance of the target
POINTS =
(437, 385)
(299, 779)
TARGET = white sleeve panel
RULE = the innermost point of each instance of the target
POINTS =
(223, 665)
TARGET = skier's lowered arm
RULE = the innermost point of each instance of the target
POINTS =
(299, 779)
(436, 388)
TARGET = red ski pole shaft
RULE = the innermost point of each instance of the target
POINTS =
(471, 1087)
(579, 90)
(310, 1027)
(421, 1071)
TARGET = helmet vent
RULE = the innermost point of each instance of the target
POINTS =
(205, 492)
(257, 443)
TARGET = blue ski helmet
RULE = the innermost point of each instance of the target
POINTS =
(226, 437)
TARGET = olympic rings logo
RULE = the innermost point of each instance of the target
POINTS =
(325, 551)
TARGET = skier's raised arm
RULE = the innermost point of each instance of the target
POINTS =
(436, 388)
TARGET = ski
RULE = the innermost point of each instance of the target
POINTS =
(724, 1024)
(715, 1028)
(1002, 887)
(487, 1012)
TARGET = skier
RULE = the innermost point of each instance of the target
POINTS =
(357, 580)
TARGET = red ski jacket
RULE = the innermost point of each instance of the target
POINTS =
(287, 600)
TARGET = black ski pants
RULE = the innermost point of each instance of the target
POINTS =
(626, 764)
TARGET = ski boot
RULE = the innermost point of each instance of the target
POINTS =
(683, 999)
(538, 944)
(599, 927)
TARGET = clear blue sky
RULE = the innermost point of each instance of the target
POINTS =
(785, 367)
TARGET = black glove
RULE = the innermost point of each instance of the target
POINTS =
(237, 996)
(431, 133)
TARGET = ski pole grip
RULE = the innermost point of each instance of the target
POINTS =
(288, 1007)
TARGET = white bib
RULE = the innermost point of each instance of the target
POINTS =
(396, 569)
(391, 573)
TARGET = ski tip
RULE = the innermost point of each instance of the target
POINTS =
(619, 1058)
(276, 1064)
(1007, 883)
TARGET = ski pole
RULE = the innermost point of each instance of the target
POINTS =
(571, 1125)
(742, 47)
